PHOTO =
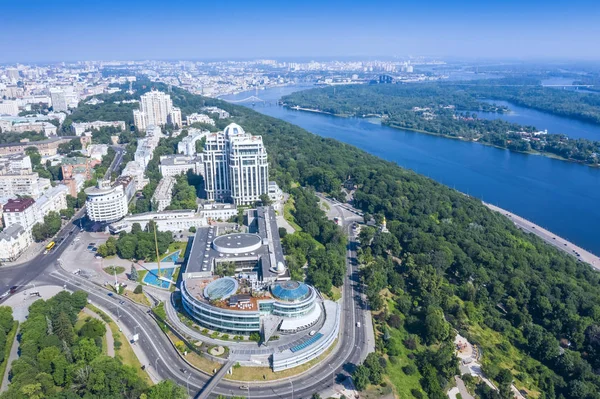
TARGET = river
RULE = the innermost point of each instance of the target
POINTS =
(560, 196)
(544, 121)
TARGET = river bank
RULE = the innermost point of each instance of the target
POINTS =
(459, 138)
(549, 237)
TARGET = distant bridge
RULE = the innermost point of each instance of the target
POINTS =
(251, 99)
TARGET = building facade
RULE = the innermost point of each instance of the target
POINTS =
(106, 203)
(20, 211)
(175, 165)
(156, 108)
(14, 240)
(163, 193)
(235, 166)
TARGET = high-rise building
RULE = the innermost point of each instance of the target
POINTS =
(235, 166)
(59, 100)
(156, 108)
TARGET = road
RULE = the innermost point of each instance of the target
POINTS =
(168, 364)
(549, 237)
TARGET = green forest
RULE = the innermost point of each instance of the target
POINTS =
(448, 263)
(59, 361)
(450, 109)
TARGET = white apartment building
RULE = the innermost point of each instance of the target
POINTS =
(25, 184)
(80, 128)
(146, 146)
(14, 240)
(175, 165)
(214, 110)
(163, 193)
(9, 107)
(53, 200)
(20, 211)
(156, 108)
(16, 164)
(40, 127)
(135, 170)
(187, 145)
(106, 203)
(199, 118)
(235, 166)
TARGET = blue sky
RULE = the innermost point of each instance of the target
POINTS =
(59, 30)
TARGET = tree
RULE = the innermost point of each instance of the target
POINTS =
(133, 273)
(265, 200)
(361, 377)
(85, 350)
(92, 329)
(166, 390)
(138, 289)
(436, 328)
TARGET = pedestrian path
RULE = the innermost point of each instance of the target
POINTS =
(214, 381)
(14, 355)
(110, 341)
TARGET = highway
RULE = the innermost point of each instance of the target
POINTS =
(168, 364)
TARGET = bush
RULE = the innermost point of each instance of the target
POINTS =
(416, 393)
(192, 229)
(255, 337)
(409, 369)
(138, 290)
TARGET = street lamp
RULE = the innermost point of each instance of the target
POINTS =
(188, 383)
(332, 379)
(292, 388)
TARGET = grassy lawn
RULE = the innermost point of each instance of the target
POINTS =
(114, 269)
(199, 361)
(141, 275)
(139, 298)
(123, 348)
(402, 382)
(266, 374)
(336, 294)
(177, 246)
(288, 207)
(10, 337)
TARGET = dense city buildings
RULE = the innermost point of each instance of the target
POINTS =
(79, 128)
(235, 166)
(156, 108)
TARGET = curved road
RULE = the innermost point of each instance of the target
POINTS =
(167, 363)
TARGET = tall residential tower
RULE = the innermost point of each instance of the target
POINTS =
(235, 166)
(156, 108)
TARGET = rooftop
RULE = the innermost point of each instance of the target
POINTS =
(18, 205)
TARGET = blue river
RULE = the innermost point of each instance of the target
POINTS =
(560, 196)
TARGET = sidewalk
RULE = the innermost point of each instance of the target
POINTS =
(14, 355)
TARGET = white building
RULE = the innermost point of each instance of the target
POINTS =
(187, 145)
(106, 203)
(38, 126)
(174, 221)
(97, 151)
(175, 165)
(164, 193)
(80, 128)
(216, 211)
(20, 211)
(156, 108)
(53, 200)
(146, 146)
(16, 164)
(135, 170)
(59, 100)
(9, 108)
(14, 240)
(199, 118)
(214, 110)
(235, 166)
(24, 184)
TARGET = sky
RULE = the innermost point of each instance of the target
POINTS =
(68, 30)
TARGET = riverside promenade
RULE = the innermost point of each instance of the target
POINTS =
(549, 237)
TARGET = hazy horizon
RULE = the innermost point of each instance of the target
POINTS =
(136, 30)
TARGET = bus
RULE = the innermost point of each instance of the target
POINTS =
(50, 245)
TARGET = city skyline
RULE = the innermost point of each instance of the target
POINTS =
(187, 30)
